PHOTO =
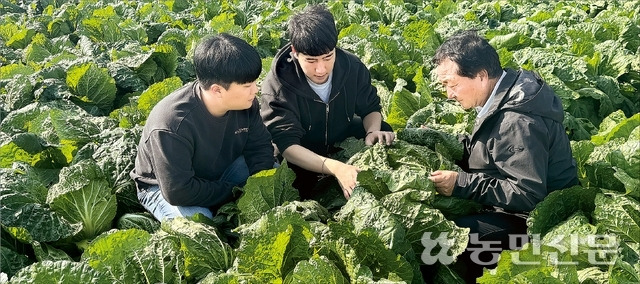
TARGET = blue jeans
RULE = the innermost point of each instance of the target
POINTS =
(151, 198)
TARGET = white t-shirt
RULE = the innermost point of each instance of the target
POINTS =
(483, 110)
(322, 90)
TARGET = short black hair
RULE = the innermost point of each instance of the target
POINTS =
(313, 31)
(471, 52)
(224, 59)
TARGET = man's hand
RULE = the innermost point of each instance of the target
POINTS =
(444, 181)
(347, 176)
(384, 137)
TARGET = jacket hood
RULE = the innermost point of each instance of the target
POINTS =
(291, 77)
(526, 92)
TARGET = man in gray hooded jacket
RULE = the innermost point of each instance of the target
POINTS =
(518, 151)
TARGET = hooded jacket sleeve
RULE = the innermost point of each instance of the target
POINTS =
(367, 100)
(280, 115)
(259, 151)
(519, 151)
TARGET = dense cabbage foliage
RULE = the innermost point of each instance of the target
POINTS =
(78, 78)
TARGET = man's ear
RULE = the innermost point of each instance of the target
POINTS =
(294, 52)
(216, 89)
(483, 74)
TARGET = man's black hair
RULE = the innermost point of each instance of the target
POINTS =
(224, 59)
(313, 31)
(471, 52)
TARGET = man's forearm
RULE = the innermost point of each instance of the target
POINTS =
(306, 159)
(372, 122)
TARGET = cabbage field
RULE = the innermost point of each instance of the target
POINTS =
(78, 79)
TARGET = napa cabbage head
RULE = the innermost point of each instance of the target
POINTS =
(83, 196)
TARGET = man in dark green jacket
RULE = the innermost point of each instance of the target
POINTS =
(206, 137)
(518, 151)
(317, 95)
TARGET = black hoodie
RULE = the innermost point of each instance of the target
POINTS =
(295, 114)
(519, 150)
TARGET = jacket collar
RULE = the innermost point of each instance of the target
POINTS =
(290, 75)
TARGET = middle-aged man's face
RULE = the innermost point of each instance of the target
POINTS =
(469, 92)
(317, 68)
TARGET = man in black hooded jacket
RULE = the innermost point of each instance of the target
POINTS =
(518, 151)
(317, 95)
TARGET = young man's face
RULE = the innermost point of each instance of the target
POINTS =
(317, 68)
(469, 92)
(239, 96)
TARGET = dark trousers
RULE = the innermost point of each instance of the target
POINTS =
(491, 232)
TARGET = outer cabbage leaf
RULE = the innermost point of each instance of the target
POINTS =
(374, 158)
(11, 261)
(31, 149)
(593, 274)
(83, 195)
(401, 165)
(364, 256)
(12, 70)
(162, 260)
(271, 246)
(45, 251)
(93, 88)
(403, 105)
(156, 92)
(134, 256)
(577, 237)
(318, 270)
(108, 252)
(18, 92)
(626, 268)
(558, 206)
(310, 210)
(266, 190)
(204, 251)
(365, 212)
(532, 264)
(55, 121)
(412, 209)
(23, 196)
(143, 221)
(60, 124)
(114, 152)
(373, 184)
(615, 125)
(443, 115)
(62, 272)
(152, 64)
(618, 214)
(125, 78)
(101, 29)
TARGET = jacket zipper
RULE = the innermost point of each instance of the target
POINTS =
(326, 125)
(326, 120)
